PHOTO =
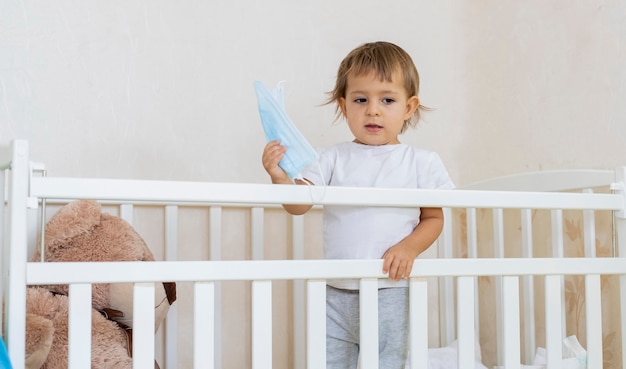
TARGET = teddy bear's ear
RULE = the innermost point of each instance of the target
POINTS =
(73, 219)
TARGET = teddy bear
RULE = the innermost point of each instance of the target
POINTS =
(81, 231)
(46, 334)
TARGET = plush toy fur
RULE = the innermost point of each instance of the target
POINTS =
(46, 334)
(79, 231)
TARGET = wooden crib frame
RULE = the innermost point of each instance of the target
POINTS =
(26, 191)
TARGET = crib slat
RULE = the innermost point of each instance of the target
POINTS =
(34, 228)
(498, 252)
(554, 323)
(589, 221)
(204, 325)
(215, 232)
(261, 298)
(622, 292)
(557, 233)
(215, 252)
(171, 232)
(511, 326)
(261, 324)
(143, 325)
(619, 238)
(316, 324)
(472, 233)
(593, 303)
(472, 252)
(171, 254)
(126, 212)
(368, 307)
(418, 320)
(298, 288)
(79, 329)
(498, 233)
(528, 288)
(465, 322)
(558, 252)
(256, 233)
(447, 331)
(446, 311)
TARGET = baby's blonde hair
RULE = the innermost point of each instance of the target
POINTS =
(384, 58)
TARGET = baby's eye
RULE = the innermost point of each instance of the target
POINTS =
(388, 100)
(360, 100)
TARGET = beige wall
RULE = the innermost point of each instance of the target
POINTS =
(164, 89)
(161, 89)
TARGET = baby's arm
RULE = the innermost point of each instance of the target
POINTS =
(272, 154)
(398, 259)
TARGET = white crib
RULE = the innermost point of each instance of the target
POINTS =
(454, 278)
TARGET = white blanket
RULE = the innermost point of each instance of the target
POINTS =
(446, 357)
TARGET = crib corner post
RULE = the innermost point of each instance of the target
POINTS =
(619, 236)
(15, 295)
(619, 187)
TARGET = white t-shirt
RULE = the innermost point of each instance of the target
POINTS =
(352, 232)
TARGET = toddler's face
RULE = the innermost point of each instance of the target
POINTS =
(375, 109)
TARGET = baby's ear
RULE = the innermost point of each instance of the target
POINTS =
(341, 103)
(411, 106)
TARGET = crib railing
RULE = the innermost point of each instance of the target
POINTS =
(205, 274)
(571, 180)
(27, 190)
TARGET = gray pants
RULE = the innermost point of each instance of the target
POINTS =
(343, 333)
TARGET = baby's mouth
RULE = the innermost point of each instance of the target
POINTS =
(373, 127)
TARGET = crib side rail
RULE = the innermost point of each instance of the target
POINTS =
(241, 270)
(162, 192)
(204, 275)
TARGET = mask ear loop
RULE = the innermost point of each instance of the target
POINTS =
(311, 184)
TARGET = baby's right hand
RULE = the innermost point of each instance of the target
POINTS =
(272, 154)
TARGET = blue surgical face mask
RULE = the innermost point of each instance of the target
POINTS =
(278, 126)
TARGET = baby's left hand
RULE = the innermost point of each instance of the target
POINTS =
(398, 261)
